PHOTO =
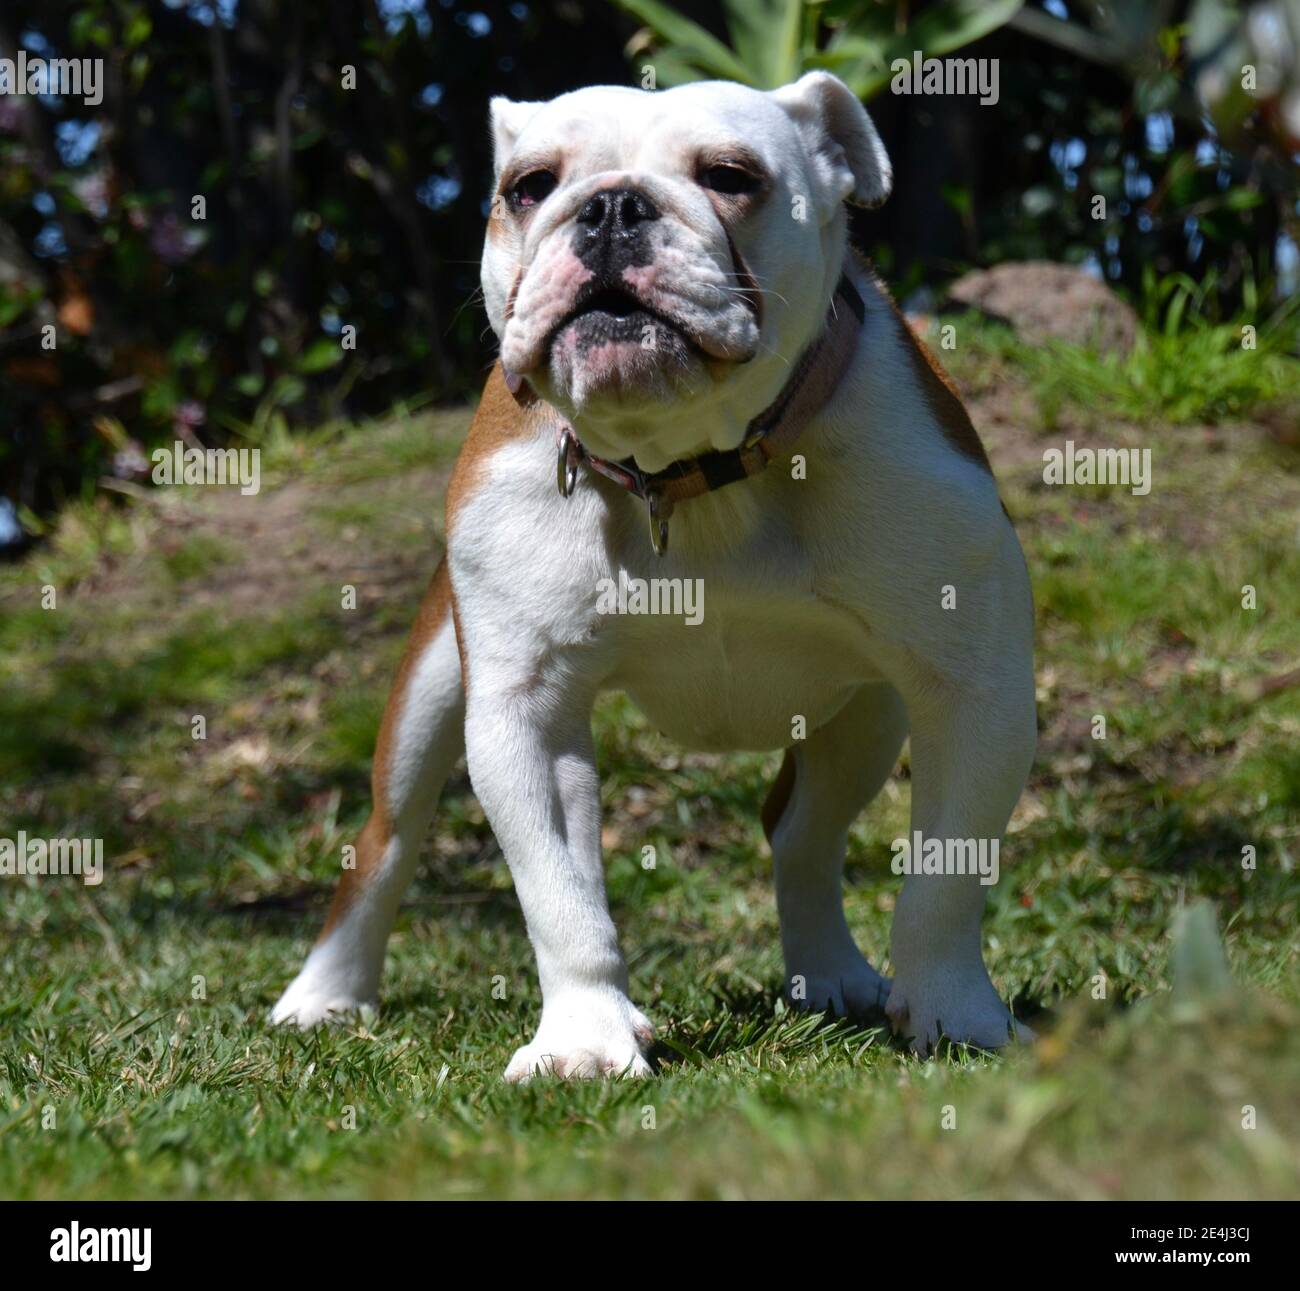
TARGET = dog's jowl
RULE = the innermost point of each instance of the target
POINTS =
(699, 382)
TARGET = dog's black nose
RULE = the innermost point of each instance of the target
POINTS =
(615, 213)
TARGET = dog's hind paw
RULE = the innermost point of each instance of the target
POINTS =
(961, 1006)
(853, 990)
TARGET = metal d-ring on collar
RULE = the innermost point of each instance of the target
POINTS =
(659, 509)
(566, 463)
(570, 454)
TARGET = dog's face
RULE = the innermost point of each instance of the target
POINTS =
(656, 261)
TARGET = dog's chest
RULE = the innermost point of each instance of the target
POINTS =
(754, 672)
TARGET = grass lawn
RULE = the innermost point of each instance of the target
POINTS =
(134, 1057)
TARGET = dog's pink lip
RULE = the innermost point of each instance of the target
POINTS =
(620, 302)
(615, 301)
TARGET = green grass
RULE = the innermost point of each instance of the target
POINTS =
(197, 556)
(134, 1059)
(1203, 375)
(1182, 370)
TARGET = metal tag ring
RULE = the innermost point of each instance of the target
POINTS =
(659, 510)
(566, 463)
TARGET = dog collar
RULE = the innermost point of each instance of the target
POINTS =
(769, 435)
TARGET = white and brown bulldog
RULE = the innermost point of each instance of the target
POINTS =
(699, 381)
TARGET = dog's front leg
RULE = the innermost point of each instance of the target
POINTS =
(533, 766)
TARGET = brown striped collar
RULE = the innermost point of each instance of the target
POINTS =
(769, 435)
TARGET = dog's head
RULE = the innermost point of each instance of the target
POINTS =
(656, 261)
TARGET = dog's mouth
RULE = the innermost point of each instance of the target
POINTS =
(608, 313)
(609, 300)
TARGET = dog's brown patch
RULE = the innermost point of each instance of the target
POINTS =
(502, 418)
(941, 395)
(434, 614)
(778, 796)
(496, 225)
(935, 384)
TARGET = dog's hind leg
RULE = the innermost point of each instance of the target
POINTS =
(824, 783)
(971, 754)
(422, 735)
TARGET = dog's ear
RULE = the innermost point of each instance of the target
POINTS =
(508, 121)
(845, 148)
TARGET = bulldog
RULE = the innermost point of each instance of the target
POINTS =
(698, 380)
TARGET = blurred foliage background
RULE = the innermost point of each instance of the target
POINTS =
(329, 206)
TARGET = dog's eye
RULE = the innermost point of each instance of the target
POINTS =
(533, 189)
(725, 178)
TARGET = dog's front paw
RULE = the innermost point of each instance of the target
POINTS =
(959, 1003)
(314, 997)
(586, 1036)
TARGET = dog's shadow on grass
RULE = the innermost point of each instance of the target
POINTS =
(755, 1021)
(752, 1021)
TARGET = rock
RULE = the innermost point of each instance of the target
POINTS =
(1040, 299)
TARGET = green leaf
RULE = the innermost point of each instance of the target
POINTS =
(286, 391)
(690, 41)
(864, 63)
(767, 35)
(138, 30)
(31, 521)
(1199, 964)
(859, 62)
(956, 196)
(1242, 199)
(16, 301)
(951, 25)
(673, 66)
(322, 354)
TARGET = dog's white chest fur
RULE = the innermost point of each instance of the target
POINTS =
(753, 674)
